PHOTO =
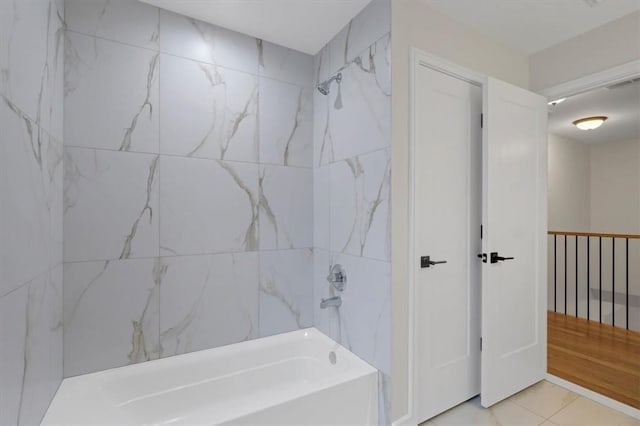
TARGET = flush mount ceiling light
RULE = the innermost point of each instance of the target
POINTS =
(590, 123)
(557, 101)
(593, 3)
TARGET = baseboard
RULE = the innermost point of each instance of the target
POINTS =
(403, 421)
(587, 393)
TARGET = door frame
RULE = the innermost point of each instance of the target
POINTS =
(610, 76)
(419, 58)
(614, 75)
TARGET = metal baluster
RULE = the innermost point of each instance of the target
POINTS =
(565, 274)
(613, 281)
(576, 276)
(627, 287)
(600, 274)
(555, 274)
(588, 276)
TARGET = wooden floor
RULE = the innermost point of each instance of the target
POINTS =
(596, 356)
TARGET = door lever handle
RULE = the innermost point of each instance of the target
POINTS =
(495, 258)
(425, 261)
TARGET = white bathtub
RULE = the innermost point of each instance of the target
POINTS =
(287, 379)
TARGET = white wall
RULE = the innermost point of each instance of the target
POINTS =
(615, 187)
(569, 185)
(415, 24)
(615, 43)
(595, 188)
(615, 208)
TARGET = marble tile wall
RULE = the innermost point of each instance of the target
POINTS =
(31, 188)
(351, 185)
(188, 186)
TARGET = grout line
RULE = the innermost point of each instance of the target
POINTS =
(40, 274)
(168, 256)
(187, 157)
(594, 396)
(511, 398)
(363, 154)
(258, 73)
(562, 409)
(275, 250)
(122, 43)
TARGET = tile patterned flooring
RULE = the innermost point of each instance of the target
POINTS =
(543, 404)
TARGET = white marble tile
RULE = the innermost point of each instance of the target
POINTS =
(585, 412)
(55, 200)
(207, 206)
(364, 30)
(207, 111)
(286, 207)
(31, 350)
(321, 65)
(110, 314)
(322, 139)
(326, 320)
(111, 95)
(359, 205)
(130, 22)
(544, 398)
(384, 399)
(189, 38)
(44, 344)
(110, 205)
(284, 64)
(472, 413)
(362, 324)
(365, 94)
(208, 301)
(286, 124)
(31, 47)
(27, 197)
(321, 208)
(286, 291)
(13, 334)
(365, 314)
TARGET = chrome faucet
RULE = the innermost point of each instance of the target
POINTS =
(337, 277)
(332, 301)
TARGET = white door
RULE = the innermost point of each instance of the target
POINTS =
(447, 213)
(515, 223)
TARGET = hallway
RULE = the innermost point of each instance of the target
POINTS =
(596, 356)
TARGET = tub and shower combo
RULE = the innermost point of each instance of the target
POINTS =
(298, 378)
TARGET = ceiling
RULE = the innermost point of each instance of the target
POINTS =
(533, 25)
(303, 25)
(621, 103)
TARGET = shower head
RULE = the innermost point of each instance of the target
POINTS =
(325, 86)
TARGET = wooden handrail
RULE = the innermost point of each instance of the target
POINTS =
(595, 234)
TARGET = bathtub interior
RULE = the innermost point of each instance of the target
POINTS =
(223, 385)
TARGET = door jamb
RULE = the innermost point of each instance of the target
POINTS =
(418, 58)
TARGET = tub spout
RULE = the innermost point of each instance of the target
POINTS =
(332, 301)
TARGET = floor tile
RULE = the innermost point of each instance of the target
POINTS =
(544, 398)
(585, 412)
(505, 413)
